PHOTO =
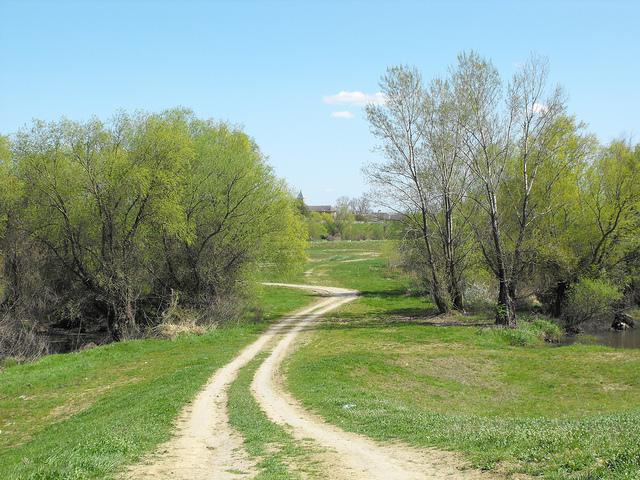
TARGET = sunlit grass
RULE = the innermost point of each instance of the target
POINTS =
(504, 398)
(278, 455)
(84, 415)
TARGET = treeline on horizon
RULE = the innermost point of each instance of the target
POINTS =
(353, 219)
(499, 185)
(120, 223)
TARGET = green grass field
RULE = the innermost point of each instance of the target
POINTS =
(561, 412)
(86, 414)
(455, 383)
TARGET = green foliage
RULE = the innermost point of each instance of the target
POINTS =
(528, 332)
(591, 299)
(321, 226)
(318, 225)
(10, 187)
(127, 216)
(344, 219)
(499, 174)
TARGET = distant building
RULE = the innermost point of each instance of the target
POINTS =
(317, 208)
(321, 209)
(368, 217)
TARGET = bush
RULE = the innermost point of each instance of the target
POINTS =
(548, 330)
(529, 332)
(480, 295)
(110, 221)
(20, 341)
(590, 300)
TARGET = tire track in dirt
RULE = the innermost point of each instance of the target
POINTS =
(347, 455)
(204, 446)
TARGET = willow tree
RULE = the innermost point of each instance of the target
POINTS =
(399, 179)
(6, 184)
(240, 214)
(593, 233)
(512, 143)
(135, 214)
(96, 196)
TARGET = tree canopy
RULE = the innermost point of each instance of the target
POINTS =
(116, 221)
(498, 176)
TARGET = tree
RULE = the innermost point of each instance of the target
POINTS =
(509, 139)
(126, 217)
(360, 207)
(8, 185)
(446, 176)
(344, 217)
(399, 179)
(593, 235)
(98, 195)
(240, 213)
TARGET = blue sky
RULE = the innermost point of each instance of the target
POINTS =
(268, 66)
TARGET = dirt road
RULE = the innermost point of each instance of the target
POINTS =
(206, 447)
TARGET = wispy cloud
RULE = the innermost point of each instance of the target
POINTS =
(356, 98)
(343, 114)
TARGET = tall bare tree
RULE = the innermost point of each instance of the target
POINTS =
(400, 178)
(446, 176)
(510, 140)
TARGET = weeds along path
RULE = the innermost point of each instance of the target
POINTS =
(348, 456)
(204, 445)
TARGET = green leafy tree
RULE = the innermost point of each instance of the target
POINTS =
(240, 213)
(344, 218)
(125, 218)
(593, 234)
(97, 196)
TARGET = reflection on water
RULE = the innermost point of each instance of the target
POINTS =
(624, 339)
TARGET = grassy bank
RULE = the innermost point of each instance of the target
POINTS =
(563, 412)
(86, 414)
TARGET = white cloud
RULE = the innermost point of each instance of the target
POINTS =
(539, 108)
(344, 114)
(356, 98)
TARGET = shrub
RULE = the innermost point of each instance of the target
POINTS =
(590, 300)
(20, 341)
(548, 330)
(480, 295)
(529, 332)
(111, 220)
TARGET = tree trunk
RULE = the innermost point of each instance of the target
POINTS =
(437, 291)
(441, 302)
(439, 296)
(560, 296)
(453, 287)
(506, 313)
(113, 321)
(121, 319)
(457, 299)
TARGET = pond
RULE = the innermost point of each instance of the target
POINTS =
(611, 338)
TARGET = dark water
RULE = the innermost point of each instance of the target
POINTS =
(623, 339)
